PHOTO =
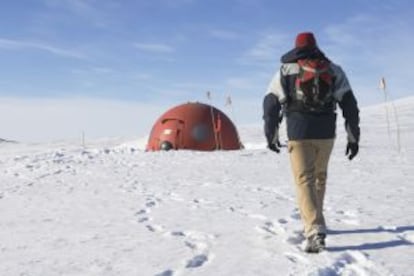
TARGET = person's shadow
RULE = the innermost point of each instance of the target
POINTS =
(372, 246)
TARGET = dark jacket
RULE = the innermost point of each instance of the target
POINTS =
(303, 124)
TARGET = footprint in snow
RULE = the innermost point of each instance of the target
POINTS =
(152, 201)
(142, 212)
(296, 258)
(150, 204)
(144, 219)
(352, 263)
(197, 261)
(271, 228)
(142, 215)
(282, 221)
(177, 233)
(348, 217)
(199, 244)
(168, 272)
(296, 238)
(154, 228)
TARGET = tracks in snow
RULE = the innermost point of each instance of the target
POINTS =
(188, 209)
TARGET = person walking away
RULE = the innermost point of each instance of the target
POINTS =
(306, 91)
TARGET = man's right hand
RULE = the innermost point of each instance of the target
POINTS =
(351, 150)
(274, 146)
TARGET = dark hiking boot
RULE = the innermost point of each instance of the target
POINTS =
(315, 243)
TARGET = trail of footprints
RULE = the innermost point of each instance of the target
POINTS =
(281, 228)
(350, 262)
(198, 242)
(144, 217)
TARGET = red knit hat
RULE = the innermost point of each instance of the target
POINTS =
(305, 40)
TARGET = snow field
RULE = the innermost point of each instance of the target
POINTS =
(114, 209)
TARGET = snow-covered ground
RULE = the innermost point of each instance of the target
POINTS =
(114, 209)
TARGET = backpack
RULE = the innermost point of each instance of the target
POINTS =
(314, 85)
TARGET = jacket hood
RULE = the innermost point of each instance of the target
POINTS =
(301, 53)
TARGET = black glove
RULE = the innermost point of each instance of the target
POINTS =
(351, 150)
(275, 146)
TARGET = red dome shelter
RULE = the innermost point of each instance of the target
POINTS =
(194, 126)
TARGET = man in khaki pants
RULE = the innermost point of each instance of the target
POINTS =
(306, 90)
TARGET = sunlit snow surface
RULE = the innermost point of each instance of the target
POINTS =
(114, 209)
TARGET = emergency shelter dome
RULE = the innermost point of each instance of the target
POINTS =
(194, 126)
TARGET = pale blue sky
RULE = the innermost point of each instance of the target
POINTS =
(164, 52)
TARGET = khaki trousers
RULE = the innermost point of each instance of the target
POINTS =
(309, 160)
